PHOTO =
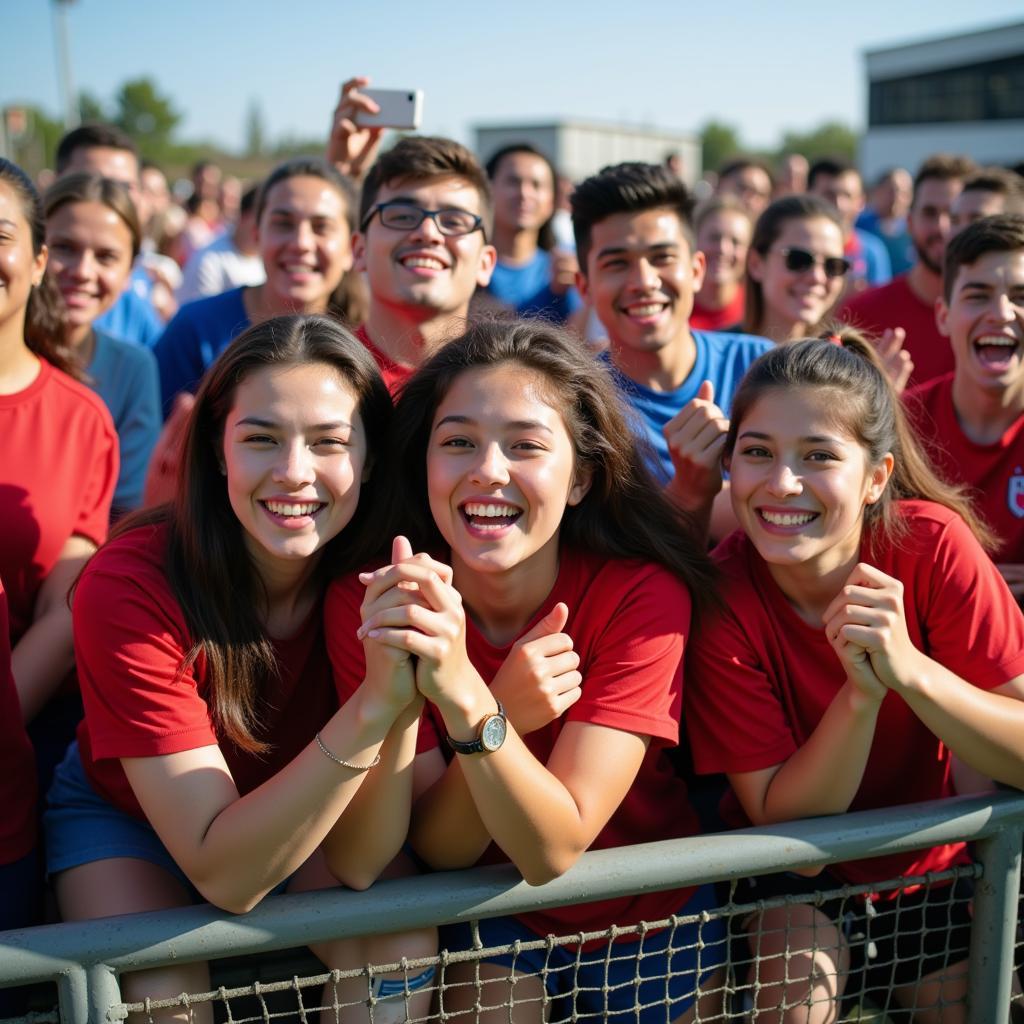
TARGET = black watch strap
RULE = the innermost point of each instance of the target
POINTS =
(475, 746)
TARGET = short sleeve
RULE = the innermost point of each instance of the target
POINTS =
(93, 517)
(139, 429)
(733, 715)
(130, 645)
(632, 678)
(973, 625)
(178, 357)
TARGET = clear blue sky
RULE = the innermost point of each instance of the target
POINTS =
(761, 66)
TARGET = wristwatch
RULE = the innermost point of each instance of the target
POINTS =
(492, 733)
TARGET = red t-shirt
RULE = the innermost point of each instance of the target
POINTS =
(629, 621)
(704, 319)
(994, 472)
(130, 642)
(394, 374)
(895, 305)
(17, 762)
(57, 475)
(760, 678)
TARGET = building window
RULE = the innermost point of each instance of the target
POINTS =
(991, 91)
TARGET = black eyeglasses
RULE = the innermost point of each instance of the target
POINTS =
(405, 216)
(799, 260)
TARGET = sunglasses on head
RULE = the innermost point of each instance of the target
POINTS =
(799, 260)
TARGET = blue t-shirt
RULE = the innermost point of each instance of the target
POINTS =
(125, 377)
(527, 289)
(197, 334)
(132, 318)
(871, 259)
(721, 358)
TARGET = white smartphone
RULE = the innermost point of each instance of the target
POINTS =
(399, 108)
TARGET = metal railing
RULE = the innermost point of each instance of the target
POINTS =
(85, 960)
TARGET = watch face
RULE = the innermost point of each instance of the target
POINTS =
(493, 733)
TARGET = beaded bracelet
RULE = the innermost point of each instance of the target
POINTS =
(346, 764)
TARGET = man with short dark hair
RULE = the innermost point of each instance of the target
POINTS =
(839, 182)
(974, 416)
(908, 301)
(993, 190)
(640, 270)
(750, 180)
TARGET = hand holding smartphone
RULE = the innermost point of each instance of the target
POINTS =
(399, 108)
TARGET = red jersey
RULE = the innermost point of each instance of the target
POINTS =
(994, 472)
(57, 477)
(724, 319)
(131, 640)
(629, 621)
(394, 374)
(17, 762)
(895, 305)
(760, 678)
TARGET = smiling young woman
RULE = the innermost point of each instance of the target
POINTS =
(93, 236)
(213, 762)
(865, 640)
(547, 611)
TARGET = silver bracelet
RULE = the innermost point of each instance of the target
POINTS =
(346, 764)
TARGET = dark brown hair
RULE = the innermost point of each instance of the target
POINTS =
(627, 188)
(419, 158)
(44, 315)
(1002, 233)
(209, 569)
(92, 136)
(766, 233)
(942, 167)
(624, 514)
(865, 406)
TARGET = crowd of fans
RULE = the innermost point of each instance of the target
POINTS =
(364, 521)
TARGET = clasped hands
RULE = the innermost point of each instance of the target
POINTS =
(867, 628)
(414, 638)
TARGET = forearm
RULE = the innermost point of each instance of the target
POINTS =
(823, 776)
(983, 729)
(372, 829)
(447, 830)
(42, 658)
(258, 840)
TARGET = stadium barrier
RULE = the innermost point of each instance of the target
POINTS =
(85, 960)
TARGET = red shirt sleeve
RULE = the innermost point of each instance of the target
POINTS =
(130, 643)
(633, 676)
(96, 495)
(734, 717)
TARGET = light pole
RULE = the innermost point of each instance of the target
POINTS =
(60, 42)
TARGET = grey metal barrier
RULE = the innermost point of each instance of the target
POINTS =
(85, 960)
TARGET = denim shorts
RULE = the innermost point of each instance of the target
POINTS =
(646, 980)
(82, 826)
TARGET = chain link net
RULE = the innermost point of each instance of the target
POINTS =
(862, 946)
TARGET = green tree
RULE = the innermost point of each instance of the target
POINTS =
(833, 138)
(255, 134)
(90, 108)
(147, 116)
(718, 142)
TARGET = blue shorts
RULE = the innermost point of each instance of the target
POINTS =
(647, 980)
(82, 826)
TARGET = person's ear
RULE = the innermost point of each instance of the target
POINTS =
(488, 261)
(880, 475)
(755, 265)
(942, 317)
(699, 267)
(580, 485)
(39, 266)
(359, 252)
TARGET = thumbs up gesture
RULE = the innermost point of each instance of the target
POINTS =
(538, 681)
(696, 440)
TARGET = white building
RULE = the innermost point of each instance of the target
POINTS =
(581, 148)
(957, 94)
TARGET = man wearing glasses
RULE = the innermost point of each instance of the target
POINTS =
(424, 220)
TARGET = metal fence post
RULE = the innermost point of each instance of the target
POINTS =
(994, 930)
(104, 993)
